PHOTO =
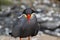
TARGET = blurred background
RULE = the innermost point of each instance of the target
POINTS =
(48, 17)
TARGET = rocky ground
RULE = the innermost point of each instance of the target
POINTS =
(37, 37)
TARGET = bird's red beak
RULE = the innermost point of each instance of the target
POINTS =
(28, 16)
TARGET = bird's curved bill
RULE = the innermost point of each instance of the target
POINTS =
(28, 16)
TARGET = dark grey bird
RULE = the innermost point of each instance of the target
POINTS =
(26, 25)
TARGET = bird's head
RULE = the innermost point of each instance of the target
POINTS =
(28, 12)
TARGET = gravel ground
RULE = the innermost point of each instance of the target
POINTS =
(37, 37)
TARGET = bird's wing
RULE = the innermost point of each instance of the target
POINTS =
(18, 26)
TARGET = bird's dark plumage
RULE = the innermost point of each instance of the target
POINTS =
(23, 28)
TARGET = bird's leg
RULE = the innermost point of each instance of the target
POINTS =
(20, 38)
(29, 38)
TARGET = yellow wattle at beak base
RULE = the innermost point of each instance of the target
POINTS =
(28, 15)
